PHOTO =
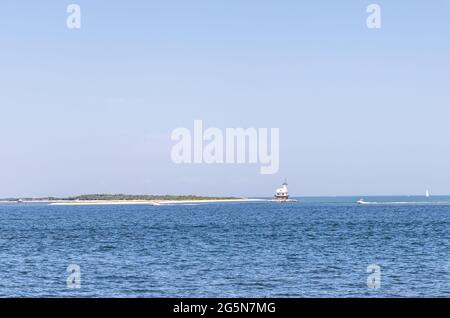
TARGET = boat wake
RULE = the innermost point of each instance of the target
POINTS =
(405, 203)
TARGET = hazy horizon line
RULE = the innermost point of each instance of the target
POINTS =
(224, 195)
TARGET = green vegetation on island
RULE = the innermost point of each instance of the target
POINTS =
(124, 197)
(143, 197)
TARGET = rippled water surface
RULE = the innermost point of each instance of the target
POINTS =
(308, 249)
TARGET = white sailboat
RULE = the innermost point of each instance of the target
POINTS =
(427, 193)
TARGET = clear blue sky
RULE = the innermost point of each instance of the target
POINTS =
(360, 111)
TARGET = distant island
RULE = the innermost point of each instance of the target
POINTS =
(104, 199)
(116, 197)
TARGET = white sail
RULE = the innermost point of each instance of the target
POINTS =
(427, 193)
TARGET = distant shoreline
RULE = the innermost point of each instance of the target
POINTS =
(125, 199)
(150, 202)
(116, 199)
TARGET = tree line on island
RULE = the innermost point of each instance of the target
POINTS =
(143, 197)
(124, 197)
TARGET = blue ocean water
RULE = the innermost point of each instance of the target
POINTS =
(318, 247)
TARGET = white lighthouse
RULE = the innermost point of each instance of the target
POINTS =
(282, 194)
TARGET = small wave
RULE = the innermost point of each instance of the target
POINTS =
(180, 204)
(407, 203)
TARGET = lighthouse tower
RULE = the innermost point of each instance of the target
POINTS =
(282, 194)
